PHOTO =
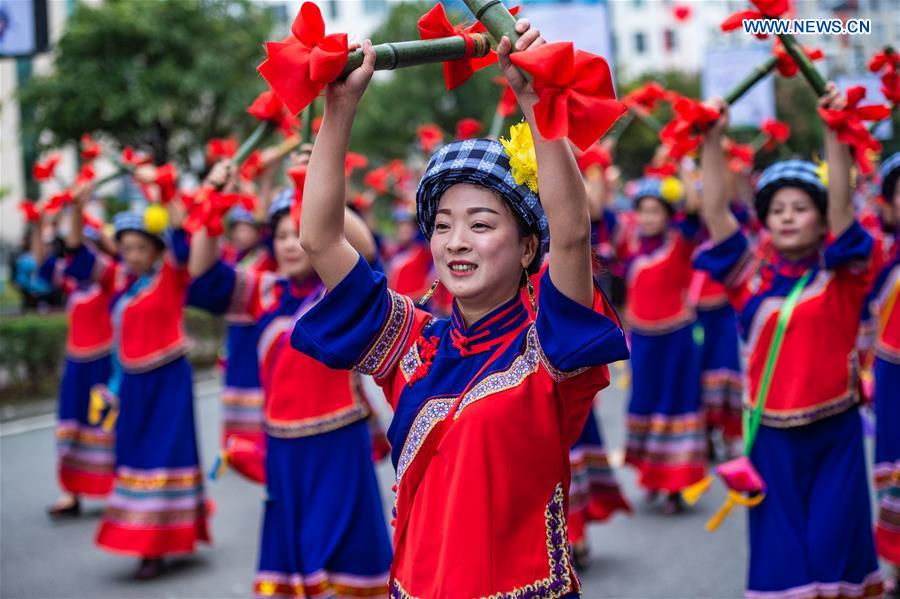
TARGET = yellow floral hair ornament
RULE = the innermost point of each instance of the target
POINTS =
(156, 219)
(671, 190)
(522, 159)
(822, 171)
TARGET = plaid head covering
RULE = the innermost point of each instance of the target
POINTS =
(790, 173)
(239, 214)
(282, 202)
(135, 220)
(480, 162)
(890, 174)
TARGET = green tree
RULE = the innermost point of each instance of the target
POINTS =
(164, 76)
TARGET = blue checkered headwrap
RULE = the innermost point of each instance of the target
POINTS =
(133, 220)
(283, 201)
(890, 174)
(790, 173)
(480, 162)
(240, 214)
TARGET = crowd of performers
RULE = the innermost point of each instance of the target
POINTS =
(485, 320)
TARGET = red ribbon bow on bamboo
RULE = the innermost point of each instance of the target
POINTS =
(646, 97)
(165, 179)
(740, 156)
(771, 9)
(595, 157)
(220, 149)
(57, 202)
(786, 65)
(430, 137)
(354, 161)
(435, 25)
(269, 107)
(508, 104)
(298, 176)
(575, 92)
(300, 67)
(132, 158)
(90, 150)
(468, 128)
(776, 132)
(43, 171)
(850, 129)
(85, 175)
(684, 133)
(662, 170)
(208, 207)
(888, 61)
(29, 211)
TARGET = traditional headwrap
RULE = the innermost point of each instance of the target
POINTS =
(149, 219)
(481, 162)
(240, 214)
(282, 203)
(669, 191)
(890, 174)
(801, 174)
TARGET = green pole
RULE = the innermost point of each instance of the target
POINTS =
(397, 55)
(809, 71)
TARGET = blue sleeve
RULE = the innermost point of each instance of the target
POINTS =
(722, 260)
(81, 264)
(47, 269)
(213, 290)
(179, 245)
(574, 337)
(853, 246)
(688, 225)
(360, 324)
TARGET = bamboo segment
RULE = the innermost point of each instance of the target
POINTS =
(398, 55)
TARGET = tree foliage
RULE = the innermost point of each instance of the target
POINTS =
(165, 75)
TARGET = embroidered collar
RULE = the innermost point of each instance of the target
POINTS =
(491, 330)
(299, 290)
(793, 268)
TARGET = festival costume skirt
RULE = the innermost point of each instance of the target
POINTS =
(242, 395)
(86, 456)
(594, 493)
(157, 506)
(324, 531)
(720, 371)
(812, 534)
(666, 428)
(887, 459)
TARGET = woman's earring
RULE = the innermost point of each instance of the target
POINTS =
(430, 292)
(530, 289)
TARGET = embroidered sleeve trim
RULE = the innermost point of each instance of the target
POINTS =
(555, 373)
(384, 352)
(240, 296)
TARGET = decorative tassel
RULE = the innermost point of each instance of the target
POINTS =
(109, 423)
(95, 406)
(218, 467)
(734, 498)
(430, 292)
(692, 494)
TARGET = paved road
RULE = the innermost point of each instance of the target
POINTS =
(642, 556)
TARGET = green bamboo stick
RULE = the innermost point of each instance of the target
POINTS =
(309, 113)
(495, 18)
(757, 75)
(615, 132)
(398, 55)
(809, 71)
(648, 119)
(497, 125)
(252, 142)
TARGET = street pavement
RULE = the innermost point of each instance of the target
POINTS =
(645, 555)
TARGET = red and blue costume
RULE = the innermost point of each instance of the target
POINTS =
(484, 416)
(812, 535)
(323, 532)
(86, 456)
(157, 506)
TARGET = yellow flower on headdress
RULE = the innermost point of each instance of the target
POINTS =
(522, 159)
(671, 190)
(156, 219)
(822, 172)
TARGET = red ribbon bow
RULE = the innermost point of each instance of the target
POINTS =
(786, 65)
(508, 104)
(684, 133)
(764, 9)
(165, 180)
(220, 149)
(300, 67)
(132, 158)
(850, 129)
(740, 156)
(252, 167)
(90, 149)
(85, 175)
(468, 128)
(646, 97)
(377, 179)
(889, 62)
(269, 107)
(30, 211)
(354, 161)
(595, 156)
(208, 207)
(434, 25)
(44, 170)
(662, 170)
(575, 92)
(298, 176)
(57, 201)
(776, 132)
(430, 137)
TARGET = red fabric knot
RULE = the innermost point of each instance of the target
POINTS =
(44, 170)
(89, 148)
(786, 65)
(427, 349)
(684, 133)
(851, 129)
(29, 211)
(776, 133)
(888, 63)
(771, 9)
(268, 107)
(208, 207)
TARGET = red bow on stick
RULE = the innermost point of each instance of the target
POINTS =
(850, 129)
(354, 161)
(434, 25)
(430, 137)
(220, 149)
(268, 107)
(889, 62)
(575, 92)
(508, 104)
(91, 221)
(29, 211)
(740, 156)
(646, 97)
(786, 65)
(165, 180)
(776, 133)
(663, 170)
(682, 12)
(764, 9)
(376, 179)
(85, 175)
(298, 176)
(43, 171)
(300, 67)
(468, 128)
(132, 158)
(208, 207)
(684, 133)
(595, 156)
(252, 167)
(57, 202)
(90, 149)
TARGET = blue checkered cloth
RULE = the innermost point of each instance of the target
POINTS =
(283, 201)
(790, 173)
(480, 162)
(240, 214)
(890, 174)
(132, 220)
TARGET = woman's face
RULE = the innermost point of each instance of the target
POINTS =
(796, 226)
(478, 251)
(292, 260)
(138, 252)
(244, 236)
(652, 217)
